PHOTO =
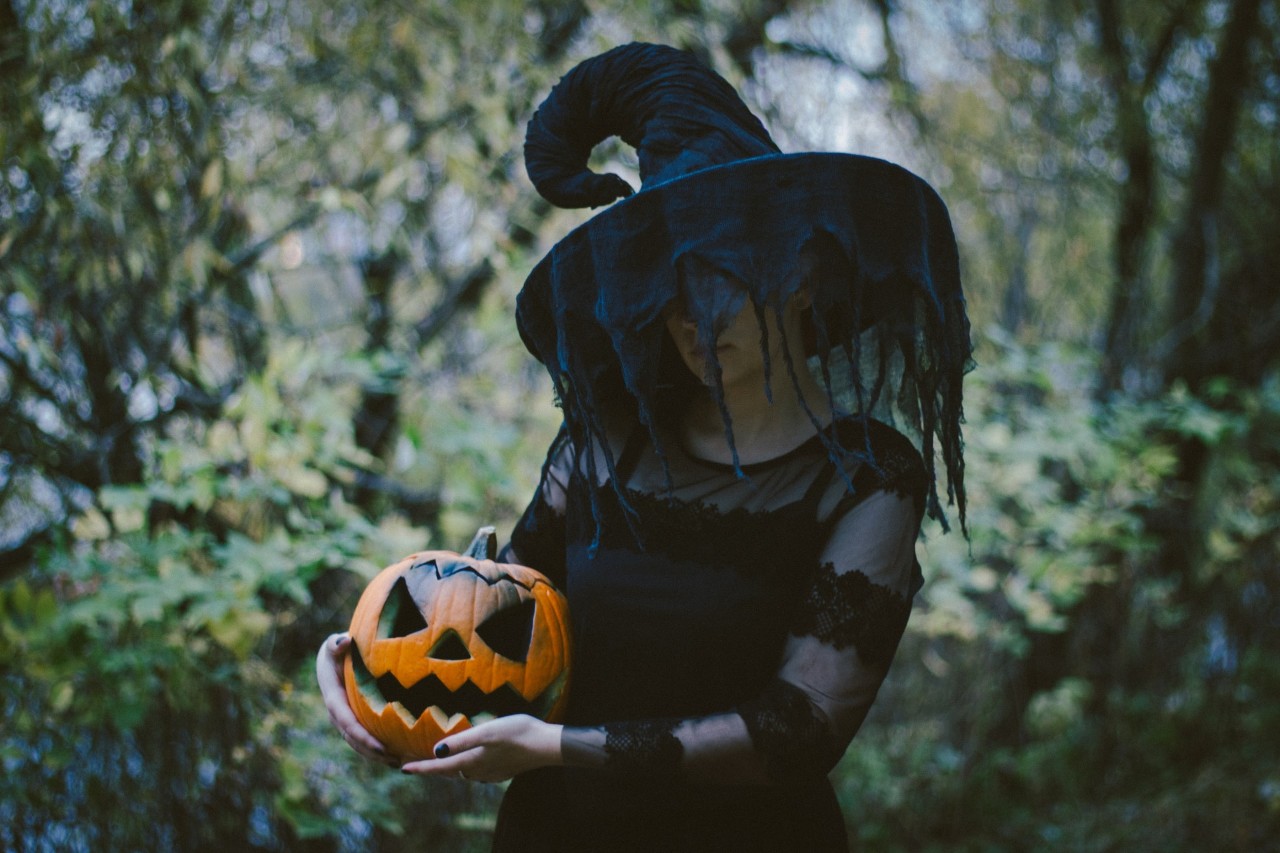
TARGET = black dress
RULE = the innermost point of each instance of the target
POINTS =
(730, 632)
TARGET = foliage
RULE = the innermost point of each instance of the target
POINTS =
(165, 640)
(1117, 706)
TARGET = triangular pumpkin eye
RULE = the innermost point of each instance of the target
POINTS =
(400, 615)
(510, 631)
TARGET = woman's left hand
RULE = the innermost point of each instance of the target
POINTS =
(494, 751)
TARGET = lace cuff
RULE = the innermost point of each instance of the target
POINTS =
(790, 737)
(648, 747)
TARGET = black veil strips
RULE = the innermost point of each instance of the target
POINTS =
(871, 241)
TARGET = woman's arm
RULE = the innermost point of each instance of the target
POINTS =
(843, 637)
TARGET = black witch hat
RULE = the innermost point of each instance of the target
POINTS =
(870, 242)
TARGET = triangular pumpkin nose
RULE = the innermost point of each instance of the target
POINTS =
(449, 647)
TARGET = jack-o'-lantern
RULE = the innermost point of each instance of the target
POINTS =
(441, 641)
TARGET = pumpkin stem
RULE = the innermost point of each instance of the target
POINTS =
(485, 545)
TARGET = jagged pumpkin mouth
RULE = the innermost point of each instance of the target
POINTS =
(431, 695)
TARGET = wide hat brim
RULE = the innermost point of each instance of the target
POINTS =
(871, 241)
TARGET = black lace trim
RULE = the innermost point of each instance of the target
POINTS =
(898, 468)
(645, 746)
(849, 610)
(789, 736)
(763, 540)
(752, 543)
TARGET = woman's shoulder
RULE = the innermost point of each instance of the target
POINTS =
(874, 457)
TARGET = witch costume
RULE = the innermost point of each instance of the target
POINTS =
(732, 620)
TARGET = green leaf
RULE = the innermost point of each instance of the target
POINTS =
(238, 630)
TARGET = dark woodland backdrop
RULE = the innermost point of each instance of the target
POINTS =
(257, 265)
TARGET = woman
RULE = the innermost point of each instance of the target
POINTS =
(733, 530)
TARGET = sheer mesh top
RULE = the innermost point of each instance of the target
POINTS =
(729, 629)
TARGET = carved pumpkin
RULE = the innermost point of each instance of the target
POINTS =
(440, 639)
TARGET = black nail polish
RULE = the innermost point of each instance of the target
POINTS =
(442, 750)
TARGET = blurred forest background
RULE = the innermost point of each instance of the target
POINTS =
(257, 269)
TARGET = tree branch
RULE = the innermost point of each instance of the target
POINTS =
(461, 292)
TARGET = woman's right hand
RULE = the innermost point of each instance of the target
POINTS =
(329, 666)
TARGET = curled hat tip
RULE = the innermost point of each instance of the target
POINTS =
(679, 115)
(585, 189)
(613, 186)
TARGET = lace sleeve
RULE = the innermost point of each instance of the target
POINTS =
(843, 637)
(538, 539)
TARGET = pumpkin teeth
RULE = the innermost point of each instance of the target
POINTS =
(446, 722)
(431, 694)
(405, 714)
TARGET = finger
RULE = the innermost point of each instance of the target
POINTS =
(451, 766)
(329, 659)
(355, 734)
(329, 663)
(370, 754)
(462, 741)
(358, 736)
(344, 718)
(335, 649)
(329, 673)
(332, 685)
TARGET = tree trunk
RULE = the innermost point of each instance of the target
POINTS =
(1136, 205)
(1013, 311)
(379, 411)
(1197, 270)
